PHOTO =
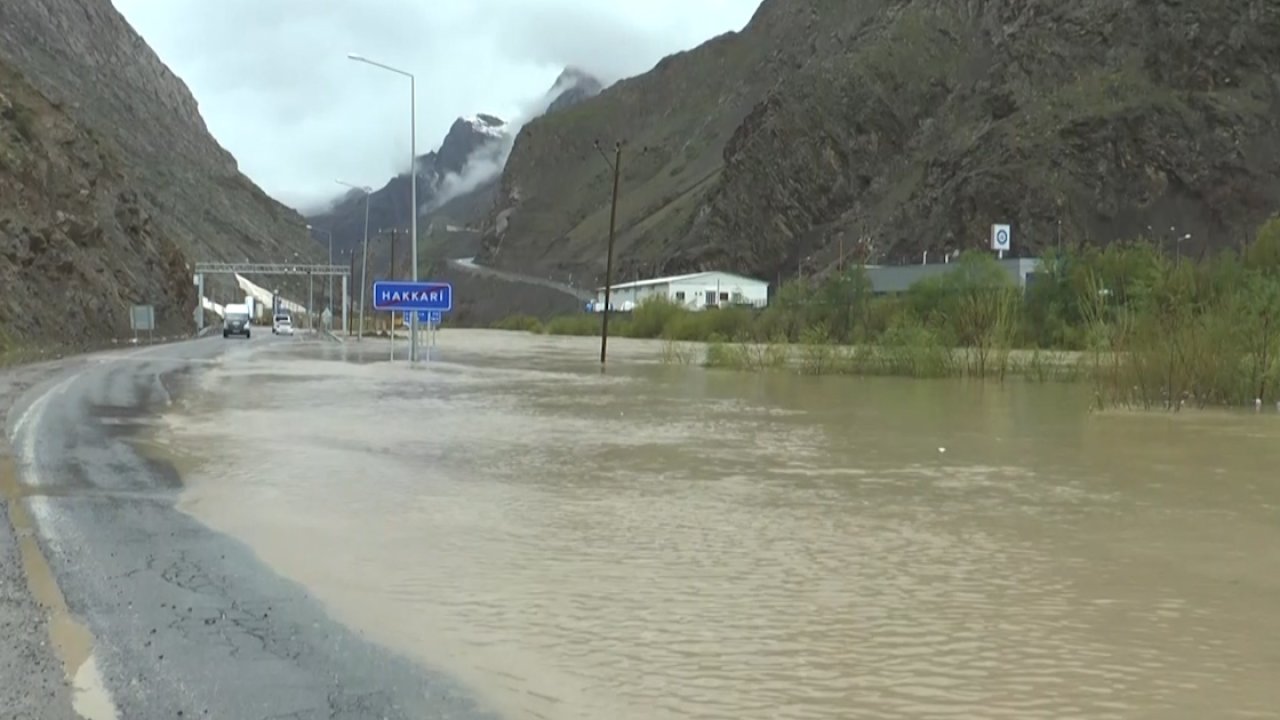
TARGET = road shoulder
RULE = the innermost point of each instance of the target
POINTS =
(33, 679)
(180, 621)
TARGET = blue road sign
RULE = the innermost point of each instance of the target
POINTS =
(424, 317)
(401, 296)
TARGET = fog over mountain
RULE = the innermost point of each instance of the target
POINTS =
(277, 90)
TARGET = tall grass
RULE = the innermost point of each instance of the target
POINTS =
(1146, 329)
(520, 323)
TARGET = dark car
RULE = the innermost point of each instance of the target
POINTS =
(236, 325)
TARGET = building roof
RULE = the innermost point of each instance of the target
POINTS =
(677, 278)
(900, 278)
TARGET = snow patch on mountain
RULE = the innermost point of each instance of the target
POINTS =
(487, 125)
(486, 162)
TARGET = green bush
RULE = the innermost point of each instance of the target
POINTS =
(1148, 328)
(581, 325)
(519, 323)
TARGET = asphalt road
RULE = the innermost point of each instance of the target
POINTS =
(470, 265)
(181, 621)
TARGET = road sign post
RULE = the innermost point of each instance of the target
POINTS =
(1001, 238)
(430, 319)
(398, 295)
(424, 317)
(143, 317)
(422, 302)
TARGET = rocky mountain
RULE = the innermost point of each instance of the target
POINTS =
(112, 187)
(456, 183)
(572, 87)
(889, 127)
(389, 205)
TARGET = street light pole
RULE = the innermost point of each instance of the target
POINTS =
(365, 261)
(413, 185)
(330, 234)
(608, 264)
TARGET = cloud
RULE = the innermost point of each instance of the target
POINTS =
(276, 89)
(486, 162)
(483, 165)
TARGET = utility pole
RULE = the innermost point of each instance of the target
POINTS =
(392, 275)
(608, 265)
(364, 260)
(351, 273)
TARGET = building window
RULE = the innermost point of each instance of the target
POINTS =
(724, 297)
(680, 295)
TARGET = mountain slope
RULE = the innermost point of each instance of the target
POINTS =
(77, 245)
(389, 205)
(456, 183)
(905, 125)
(112, 119)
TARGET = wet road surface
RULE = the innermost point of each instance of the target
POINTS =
(164, 617)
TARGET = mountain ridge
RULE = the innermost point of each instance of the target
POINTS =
(456, 181)
(124, 188)
(898, 126)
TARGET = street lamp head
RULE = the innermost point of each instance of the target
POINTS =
(357, 56)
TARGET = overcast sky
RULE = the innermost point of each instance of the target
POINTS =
(277, 90)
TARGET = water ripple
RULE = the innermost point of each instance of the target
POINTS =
(578, 547)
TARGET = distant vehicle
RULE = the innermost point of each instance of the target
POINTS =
(235, 321)
(282, 326)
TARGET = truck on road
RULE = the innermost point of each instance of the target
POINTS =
(235, 320)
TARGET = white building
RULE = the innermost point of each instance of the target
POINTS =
(695, 291)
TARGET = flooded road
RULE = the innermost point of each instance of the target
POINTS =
(671, 542)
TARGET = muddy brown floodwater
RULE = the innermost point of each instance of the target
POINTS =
(673, 542)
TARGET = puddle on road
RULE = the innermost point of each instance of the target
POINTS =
(666, 542)
(72, 640)
(91, 700)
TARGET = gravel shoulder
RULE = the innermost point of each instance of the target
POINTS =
(33, 681)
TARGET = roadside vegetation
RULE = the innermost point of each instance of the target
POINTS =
(1146, 329)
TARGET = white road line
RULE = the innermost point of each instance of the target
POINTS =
(91, 698)
(27, 430)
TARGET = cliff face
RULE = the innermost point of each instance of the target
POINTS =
(77, 243)
(122, 188)
(890, 127)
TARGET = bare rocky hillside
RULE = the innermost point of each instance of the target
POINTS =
(112, 185)
(898, 126)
